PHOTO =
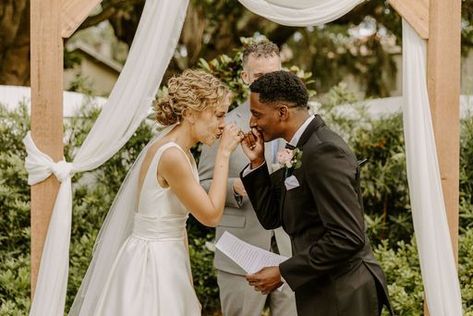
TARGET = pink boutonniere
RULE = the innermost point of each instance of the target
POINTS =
(290, 158)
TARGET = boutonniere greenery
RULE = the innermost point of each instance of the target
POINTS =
(290, 158)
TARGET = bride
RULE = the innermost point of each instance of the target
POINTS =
(140, 264)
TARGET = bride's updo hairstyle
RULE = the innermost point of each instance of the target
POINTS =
(194, 90)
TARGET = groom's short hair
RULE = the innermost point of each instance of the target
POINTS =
(281, 86)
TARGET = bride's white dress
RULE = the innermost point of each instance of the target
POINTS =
(151, 274)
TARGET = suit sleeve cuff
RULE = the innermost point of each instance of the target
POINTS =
(283, 280)
(248, 169)
(282, 272)
(284, 283)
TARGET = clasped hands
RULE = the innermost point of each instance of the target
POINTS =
(253, 146)
(266, 280)
(251, 139)
(251, 142)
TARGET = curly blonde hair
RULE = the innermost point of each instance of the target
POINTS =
(193, 89)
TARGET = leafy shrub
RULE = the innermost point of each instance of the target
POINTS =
(383, 181)
(15, 210)
(466, 173)
(401, 266)
(465, 269)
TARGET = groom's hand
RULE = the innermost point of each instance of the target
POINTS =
(253, 147)
(266, 280)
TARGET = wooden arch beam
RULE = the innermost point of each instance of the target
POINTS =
(74, 12)
(416, 13)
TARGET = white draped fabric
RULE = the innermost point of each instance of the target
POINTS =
(437, 262)
(301, 12)
(154, 44)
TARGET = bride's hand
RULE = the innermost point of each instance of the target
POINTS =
(230, 139)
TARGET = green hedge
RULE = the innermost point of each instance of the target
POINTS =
(384, 183)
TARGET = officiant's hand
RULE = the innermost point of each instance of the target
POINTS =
(239, 188)
(266, 280)
(253, 147)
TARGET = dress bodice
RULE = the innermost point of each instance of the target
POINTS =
(151, 273)
(160, 213)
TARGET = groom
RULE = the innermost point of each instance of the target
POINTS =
(316, 199)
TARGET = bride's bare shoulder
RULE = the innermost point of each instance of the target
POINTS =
(173, 158)
(171, 152)
(155, 147)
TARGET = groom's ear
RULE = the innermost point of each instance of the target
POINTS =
(283, 112)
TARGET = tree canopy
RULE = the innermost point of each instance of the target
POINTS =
(361, 42)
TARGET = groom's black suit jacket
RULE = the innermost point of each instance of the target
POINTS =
(332, 271)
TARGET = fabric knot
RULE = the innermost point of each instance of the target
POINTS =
(40, 166)
(62, 170)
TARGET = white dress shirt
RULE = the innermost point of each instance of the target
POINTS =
(297, 135)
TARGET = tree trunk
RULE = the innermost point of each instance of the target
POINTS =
(15, 42)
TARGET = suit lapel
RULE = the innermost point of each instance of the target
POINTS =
(311, 128)
(316, 123)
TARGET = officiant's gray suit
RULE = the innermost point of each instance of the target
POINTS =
(236, 296)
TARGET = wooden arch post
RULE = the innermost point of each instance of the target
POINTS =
(46, 115)
(439, 22)
(51, 20)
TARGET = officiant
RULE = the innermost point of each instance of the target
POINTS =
(237, 298)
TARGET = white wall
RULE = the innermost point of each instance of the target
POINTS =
(11, 96)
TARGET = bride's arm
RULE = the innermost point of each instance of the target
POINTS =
(175, 169)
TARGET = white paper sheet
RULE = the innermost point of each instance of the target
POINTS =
(250, 258)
